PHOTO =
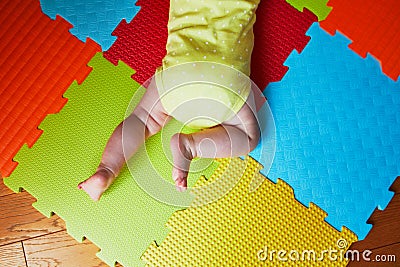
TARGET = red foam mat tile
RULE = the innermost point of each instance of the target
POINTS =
(279, 29)
(374, 28)
(141, 43)
(39, 60)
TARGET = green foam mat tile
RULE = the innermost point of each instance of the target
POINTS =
(126, 219)
(318, 7)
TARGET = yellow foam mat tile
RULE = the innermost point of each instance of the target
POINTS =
(248, 226)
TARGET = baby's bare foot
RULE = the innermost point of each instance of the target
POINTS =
(95, 185)
(182, 156)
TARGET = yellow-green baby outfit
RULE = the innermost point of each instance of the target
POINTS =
(203, 79)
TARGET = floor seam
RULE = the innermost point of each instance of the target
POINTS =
(30, 238)
(23, 250)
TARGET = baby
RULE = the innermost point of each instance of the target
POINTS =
(203, 82)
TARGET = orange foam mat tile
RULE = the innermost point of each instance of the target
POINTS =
(39, 59)
(232, 222)
(373, 26)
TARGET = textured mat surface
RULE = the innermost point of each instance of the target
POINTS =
(92, 18)
(126, 220)
(338, 130)
(279, 29)
(373, 27)
(141, 43)
(39, 60)
(233, 230)
(318, 7)
(385, 232)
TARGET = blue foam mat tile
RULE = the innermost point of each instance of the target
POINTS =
(337, 120)
(96, 19)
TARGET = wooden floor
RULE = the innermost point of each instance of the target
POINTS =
(383, 240)
(27, 238)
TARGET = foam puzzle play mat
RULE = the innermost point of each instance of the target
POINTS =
(318, 180)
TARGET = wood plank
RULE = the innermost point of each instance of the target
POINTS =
(386, 224)
(60, 249)
(4, 190)
(12, 255)
(384, 237)
(20, 221)
(385, 256)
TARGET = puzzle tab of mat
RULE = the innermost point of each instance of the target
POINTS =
(141, 43)
(318, 7)
(338, 130)
(92, 18)
(373, 27)
(384, 236)
(126, 219)
(243, 227)
(279, 29)
(39, 60)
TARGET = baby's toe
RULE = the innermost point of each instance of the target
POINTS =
(95, 186)
(181, 184)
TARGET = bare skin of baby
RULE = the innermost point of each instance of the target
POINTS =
(236, 137)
